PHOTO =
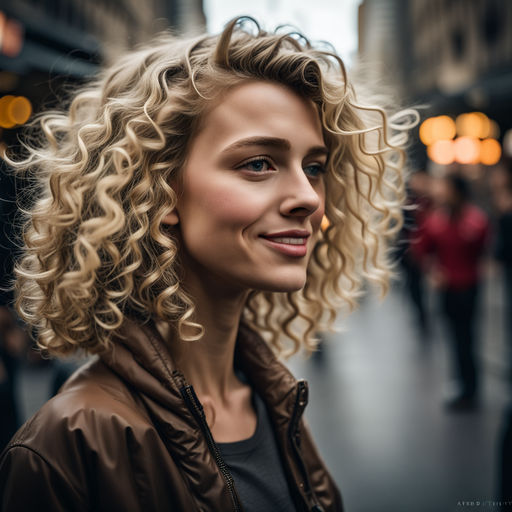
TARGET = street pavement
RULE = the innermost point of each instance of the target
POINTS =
(376, 411)
(376, 396)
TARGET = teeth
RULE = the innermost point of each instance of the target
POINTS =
(291, 241)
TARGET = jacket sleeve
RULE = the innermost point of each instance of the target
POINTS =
(29, 482)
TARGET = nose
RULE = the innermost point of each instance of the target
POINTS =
(301, 198)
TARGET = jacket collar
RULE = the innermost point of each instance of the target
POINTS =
(141, 357)
(268, 376)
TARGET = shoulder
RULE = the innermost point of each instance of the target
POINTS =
(95, 408)
(94, 440)
(93, 431)
(92, 393)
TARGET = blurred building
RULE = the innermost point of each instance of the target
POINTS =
(453, 55)
(46, 42)
(382, 40)
(47, 47)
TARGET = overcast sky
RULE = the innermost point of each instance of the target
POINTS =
(329, 20)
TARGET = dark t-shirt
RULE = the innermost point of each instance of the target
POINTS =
(256, 467)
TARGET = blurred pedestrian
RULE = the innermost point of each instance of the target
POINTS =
(455, 235)
(180, 221)
(415, 212)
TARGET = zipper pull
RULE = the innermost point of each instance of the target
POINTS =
(302, 397)
(301, 401)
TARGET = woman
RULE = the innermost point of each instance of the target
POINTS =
(176, 227)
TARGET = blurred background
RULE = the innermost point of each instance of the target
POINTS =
(410, 400)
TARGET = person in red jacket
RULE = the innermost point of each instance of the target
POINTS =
(455, 236)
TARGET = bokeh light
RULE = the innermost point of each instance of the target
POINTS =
(437, 128)
(5, 121)
(444, 128)
(19, 110)
(473, 124)
(11, 36)
(427, 131)
(325, 223)
(485, 125)
(14, 110)
(494, 130)
(441, 152)
(467, 150)
(490, 151)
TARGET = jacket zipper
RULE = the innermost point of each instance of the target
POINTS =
(294, 433)
(196, 408)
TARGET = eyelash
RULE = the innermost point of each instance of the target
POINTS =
(255, 160)
(321, 168)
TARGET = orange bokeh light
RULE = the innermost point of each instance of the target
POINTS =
(437, 128)
(494, 130)
(325, 223)
(490, 152)
(444, 128)
(5, 120)
(19, 110)
(473, 124)
(14, 110)
(467, 150)
(11, 36)
(442, 152)
(427, 131)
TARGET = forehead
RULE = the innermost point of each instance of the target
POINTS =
(262, 108)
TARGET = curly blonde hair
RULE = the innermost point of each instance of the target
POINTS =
(95, 249)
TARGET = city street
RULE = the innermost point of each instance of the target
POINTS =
(376, 410)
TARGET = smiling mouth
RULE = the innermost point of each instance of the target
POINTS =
(293, 244)
(287, 240)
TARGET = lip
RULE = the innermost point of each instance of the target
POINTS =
(295, 250)
(290, 233)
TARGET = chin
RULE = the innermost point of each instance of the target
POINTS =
(284, 283)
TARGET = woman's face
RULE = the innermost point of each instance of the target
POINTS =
(252, 193)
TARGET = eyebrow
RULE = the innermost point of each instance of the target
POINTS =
(274, 142)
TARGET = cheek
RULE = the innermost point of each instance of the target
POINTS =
(231, 210)
(216, 208)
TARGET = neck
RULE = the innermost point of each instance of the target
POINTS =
(208, 364)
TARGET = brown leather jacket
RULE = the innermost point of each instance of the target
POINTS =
(127, 433)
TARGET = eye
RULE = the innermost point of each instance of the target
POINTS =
(257, 165)
(314, 170)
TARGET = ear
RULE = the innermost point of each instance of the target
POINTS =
(171, 219)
